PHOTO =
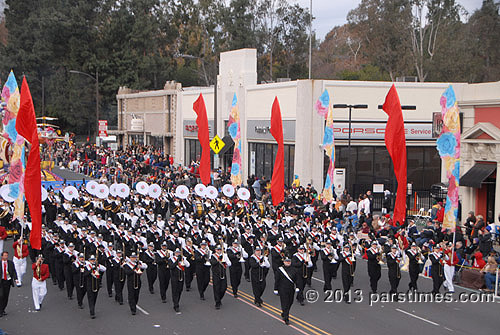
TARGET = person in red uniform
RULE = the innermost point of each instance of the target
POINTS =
(20, 253)
(38, 284)
(3, 236)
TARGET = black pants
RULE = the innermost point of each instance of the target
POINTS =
(286, 299)
(219, 286)
(110, 274)
(176, 291)
(247, 269)
(52, 270)
(118, 288)
(235, 272)
(329, 273)
(190, 271)
(258, 288)
(4, 294)
(413, 279)
(92, 298)
(202, 278)
(437, 281)
(301, 284)
(347, 280)
(133, 294)
(394, 281)
(151, 273)
(60, 275)
(68, 277)
(164, 279)
(374, 274)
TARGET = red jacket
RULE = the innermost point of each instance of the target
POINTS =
(24, 250)
(3, 233)
(455, 258)
(44, 271)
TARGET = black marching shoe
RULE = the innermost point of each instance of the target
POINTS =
(176, 309)
(134, 312)
(287, 321)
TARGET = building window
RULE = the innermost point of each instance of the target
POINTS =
(265, 154)
(373, 165)
(156, 141)
(192, 152)
(136, 139)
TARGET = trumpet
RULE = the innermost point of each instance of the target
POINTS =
(419, 256)
(137, 273)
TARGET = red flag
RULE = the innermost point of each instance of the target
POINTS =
(203, 137)
(396, 145)
(278, 179)
(26, 127)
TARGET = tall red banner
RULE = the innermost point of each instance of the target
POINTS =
(395, 142)
(204, 138)
(278, 179)
(26, 127)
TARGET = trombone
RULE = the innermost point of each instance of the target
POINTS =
(221, 260)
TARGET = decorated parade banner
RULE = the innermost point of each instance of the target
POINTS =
(324, 108)
(235, 132)
(448, 145)
(11, 98)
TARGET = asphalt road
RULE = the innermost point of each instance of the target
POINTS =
(239, 316)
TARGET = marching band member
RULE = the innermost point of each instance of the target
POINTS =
(374, 254)
(93, 273)
(259, 267)
(79, 280)
(219, 262)
(414, 266)
(177, 264)
(394, 271)
(301, 261)
(277, 257)
(133, 268)
(189, 251)
(348, 268)
(117, 262)
(436, 258)
(38, 284)
(68, 258)
(287, 279)
(202, 257)
(162, 257)
(330, 258)
(149, 257)
(237, 256)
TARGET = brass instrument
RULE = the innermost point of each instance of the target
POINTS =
(181, 272)
(380, 256)
(137, 273)
(4, 213)
(419, 256)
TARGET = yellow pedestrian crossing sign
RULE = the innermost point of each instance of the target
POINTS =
(217, 144)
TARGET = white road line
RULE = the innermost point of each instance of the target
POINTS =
(448, 329)
(417, 317)
(321, 281)
(142, 310)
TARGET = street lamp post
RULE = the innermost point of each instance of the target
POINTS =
(96, 79)
(357, 106)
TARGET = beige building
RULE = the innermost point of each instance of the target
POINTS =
(148, 117)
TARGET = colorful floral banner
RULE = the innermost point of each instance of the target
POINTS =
(235, 132)
(11, 98)
(448, 145)
(324, 108)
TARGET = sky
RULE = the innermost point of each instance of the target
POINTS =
(331, 13)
